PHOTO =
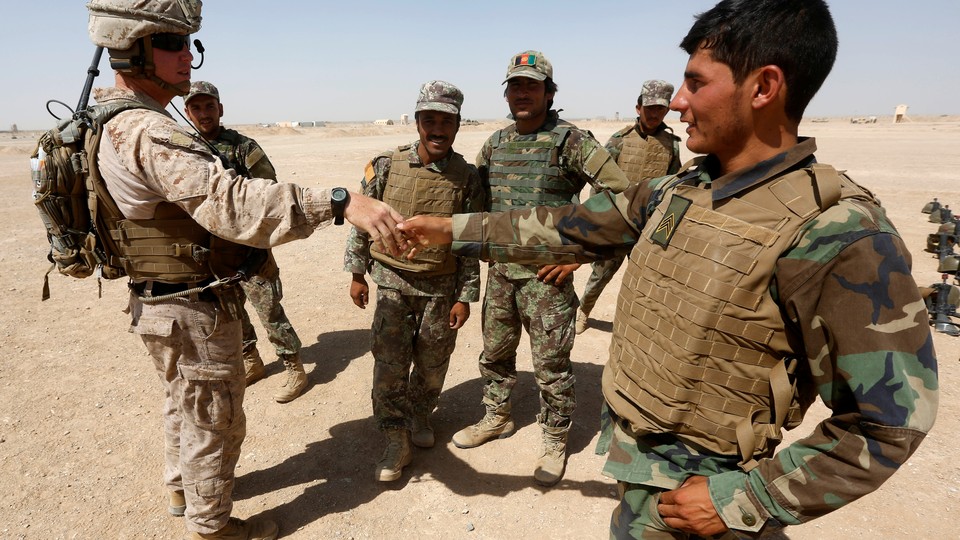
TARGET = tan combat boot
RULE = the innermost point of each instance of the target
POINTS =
(178, 504)
(422, 432)
(396, 456)
(494, 425)
(295, 381)
(553, 458)
(582, 323)
(253, 366)
(238, 529)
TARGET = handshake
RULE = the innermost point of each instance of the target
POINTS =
(388, 229)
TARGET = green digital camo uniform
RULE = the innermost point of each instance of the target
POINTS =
(846, 303)
(601, 272)
(514, 297)
(411, 323)
(263, 290)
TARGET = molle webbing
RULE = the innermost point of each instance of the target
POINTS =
(700, 346)
(414, 191)
(645, 158)
(169, 251)
(525, 170)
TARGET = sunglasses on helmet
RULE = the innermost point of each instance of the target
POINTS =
(170, 42)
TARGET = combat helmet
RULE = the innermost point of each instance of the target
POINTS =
(125, 27)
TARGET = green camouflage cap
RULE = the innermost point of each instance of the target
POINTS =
(201, 88)
(656, 92)
(439, 96)
(530, 64)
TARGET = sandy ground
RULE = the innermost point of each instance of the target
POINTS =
(80, 430)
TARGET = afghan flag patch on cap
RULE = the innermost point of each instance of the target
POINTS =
(525, 60)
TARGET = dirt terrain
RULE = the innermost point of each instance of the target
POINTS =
(80, 428)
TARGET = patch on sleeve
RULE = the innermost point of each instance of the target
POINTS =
(664, 231)
(254, 157)
(178, 138)
(368, 172)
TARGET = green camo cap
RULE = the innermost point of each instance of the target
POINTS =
(439, 96)
(201, 88)
(530, 64)
(656, 92)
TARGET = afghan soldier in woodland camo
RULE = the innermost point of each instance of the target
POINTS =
(758, 279)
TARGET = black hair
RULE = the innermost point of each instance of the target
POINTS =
(416, 117)
(549, 87)
(798, 36)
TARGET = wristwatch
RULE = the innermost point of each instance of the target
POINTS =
(339, 197)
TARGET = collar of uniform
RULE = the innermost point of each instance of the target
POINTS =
(639, 129)
(113, 93)
(437, 166)
(728, 185)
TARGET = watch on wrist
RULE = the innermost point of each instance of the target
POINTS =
(339, 197)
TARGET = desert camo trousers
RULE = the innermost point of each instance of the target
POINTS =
(409, 330)
(195, 347)
(601, 272)
(265, 293)
(548, 313)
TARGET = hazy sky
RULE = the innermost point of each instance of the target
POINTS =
(361, 60)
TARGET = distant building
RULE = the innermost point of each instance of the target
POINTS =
(404, 119)
(383, 122)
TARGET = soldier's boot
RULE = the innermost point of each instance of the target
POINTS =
(422, 432)
(553, 457)
(253, 366)
(396, 455)
(294, 382)
(238, 529)
(178, 504)
(582, 323)
(496, 424)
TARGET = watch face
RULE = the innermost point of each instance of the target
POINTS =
(338, 195)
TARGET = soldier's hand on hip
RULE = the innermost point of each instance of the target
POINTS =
(690, 509)
(556, 273)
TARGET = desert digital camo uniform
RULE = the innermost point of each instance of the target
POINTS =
(154, 168)
(514, 297)
(264, 289)
(841, 297)
(411, 323)
(641, 157)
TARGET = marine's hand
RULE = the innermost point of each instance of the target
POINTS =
(556, 273)
(690, 509)
(422, 231)
(377, 219)
(359, 291)
(459, 315)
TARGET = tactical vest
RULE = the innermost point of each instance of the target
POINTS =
(646, 158)
(699, 344)
(170, 248)
(525, 169)
(414, 191)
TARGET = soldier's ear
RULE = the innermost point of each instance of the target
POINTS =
(220, 106)
(769, 86)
